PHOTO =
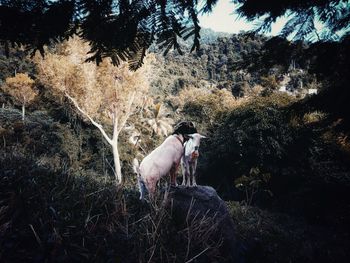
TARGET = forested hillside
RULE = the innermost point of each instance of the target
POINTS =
(277, 150)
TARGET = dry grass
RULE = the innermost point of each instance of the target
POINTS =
(162, 238)
(313, 117)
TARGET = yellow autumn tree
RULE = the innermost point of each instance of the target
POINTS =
(105, 95)
(21, 87)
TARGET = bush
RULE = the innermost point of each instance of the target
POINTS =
(276, 237)
(204, 106)
(50, 216)
(257, 134)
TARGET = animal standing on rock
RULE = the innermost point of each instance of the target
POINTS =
(163, 161)
(190, 158)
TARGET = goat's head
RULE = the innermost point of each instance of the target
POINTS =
(185, 127)
(192, 145)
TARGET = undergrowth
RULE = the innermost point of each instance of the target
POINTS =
(53, 216)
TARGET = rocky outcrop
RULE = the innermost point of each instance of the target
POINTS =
(203, 211)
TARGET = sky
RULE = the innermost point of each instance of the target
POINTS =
(222, 19)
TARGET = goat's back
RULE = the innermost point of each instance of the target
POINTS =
(161, 159)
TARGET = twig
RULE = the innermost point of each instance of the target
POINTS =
(197, 255)
(110, 166)
(35, 234)
(94, 192)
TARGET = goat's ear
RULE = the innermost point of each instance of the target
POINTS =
(188, 136)
(203, 137)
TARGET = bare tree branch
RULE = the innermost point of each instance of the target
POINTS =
(99, 126)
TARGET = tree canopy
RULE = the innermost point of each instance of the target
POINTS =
(20, 87)
(119, 29)
(334, 15)
(123, 29)
(101, 94)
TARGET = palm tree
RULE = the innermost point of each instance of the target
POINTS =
(158, 121)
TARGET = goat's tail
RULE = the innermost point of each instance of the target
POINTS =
(142, 186)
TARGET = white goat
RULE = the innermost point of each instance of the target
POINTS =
(162, 161)
(189, 159)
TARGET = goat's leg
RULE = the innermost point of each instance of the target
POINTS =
(187, 178)
(188, 175)
(142, 188)
(173, 175)
(194, 180)
(183, 169)
(190, 184)
(176, 172)
(151, 187)
(194, 173)
(177, 165)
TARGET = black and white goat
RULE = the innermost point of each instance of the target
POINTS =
(189, 159)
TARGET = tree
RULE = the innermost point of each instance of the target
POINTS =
(123, 30)
(21, 88)
(119, 29)
(302, 17)
(158, 120)
(101, 94)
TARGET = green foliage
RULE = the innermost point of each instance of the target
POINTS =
(121, 30)
(252, 183)
(255, 134)
(334, 14)
(278, 237)
(239, 89)
(240, 62)
(17, 62)
(205, 107)
(270, 83)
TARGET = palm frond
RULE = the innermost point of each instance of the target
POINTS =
(208, 6)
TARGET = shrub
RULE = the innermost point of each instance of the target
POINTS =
(313, 117)
(205, 106)
(21, 88)
(257, 134)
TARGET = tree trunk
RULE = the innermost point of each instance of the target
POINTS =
(23, 111)
(117, 165)
(113, 142)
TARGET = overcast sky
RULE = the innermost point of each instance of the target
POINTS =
(222, 19)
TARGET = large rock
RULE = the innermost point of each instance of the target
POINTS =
(204, 211)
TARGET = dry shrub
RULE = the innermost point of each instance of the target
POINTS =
(313, 117)
(222, 98)
(339, 139)
(256, 90)
(269, 82)
(295, 121)
(205, 105)
(21, 88)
